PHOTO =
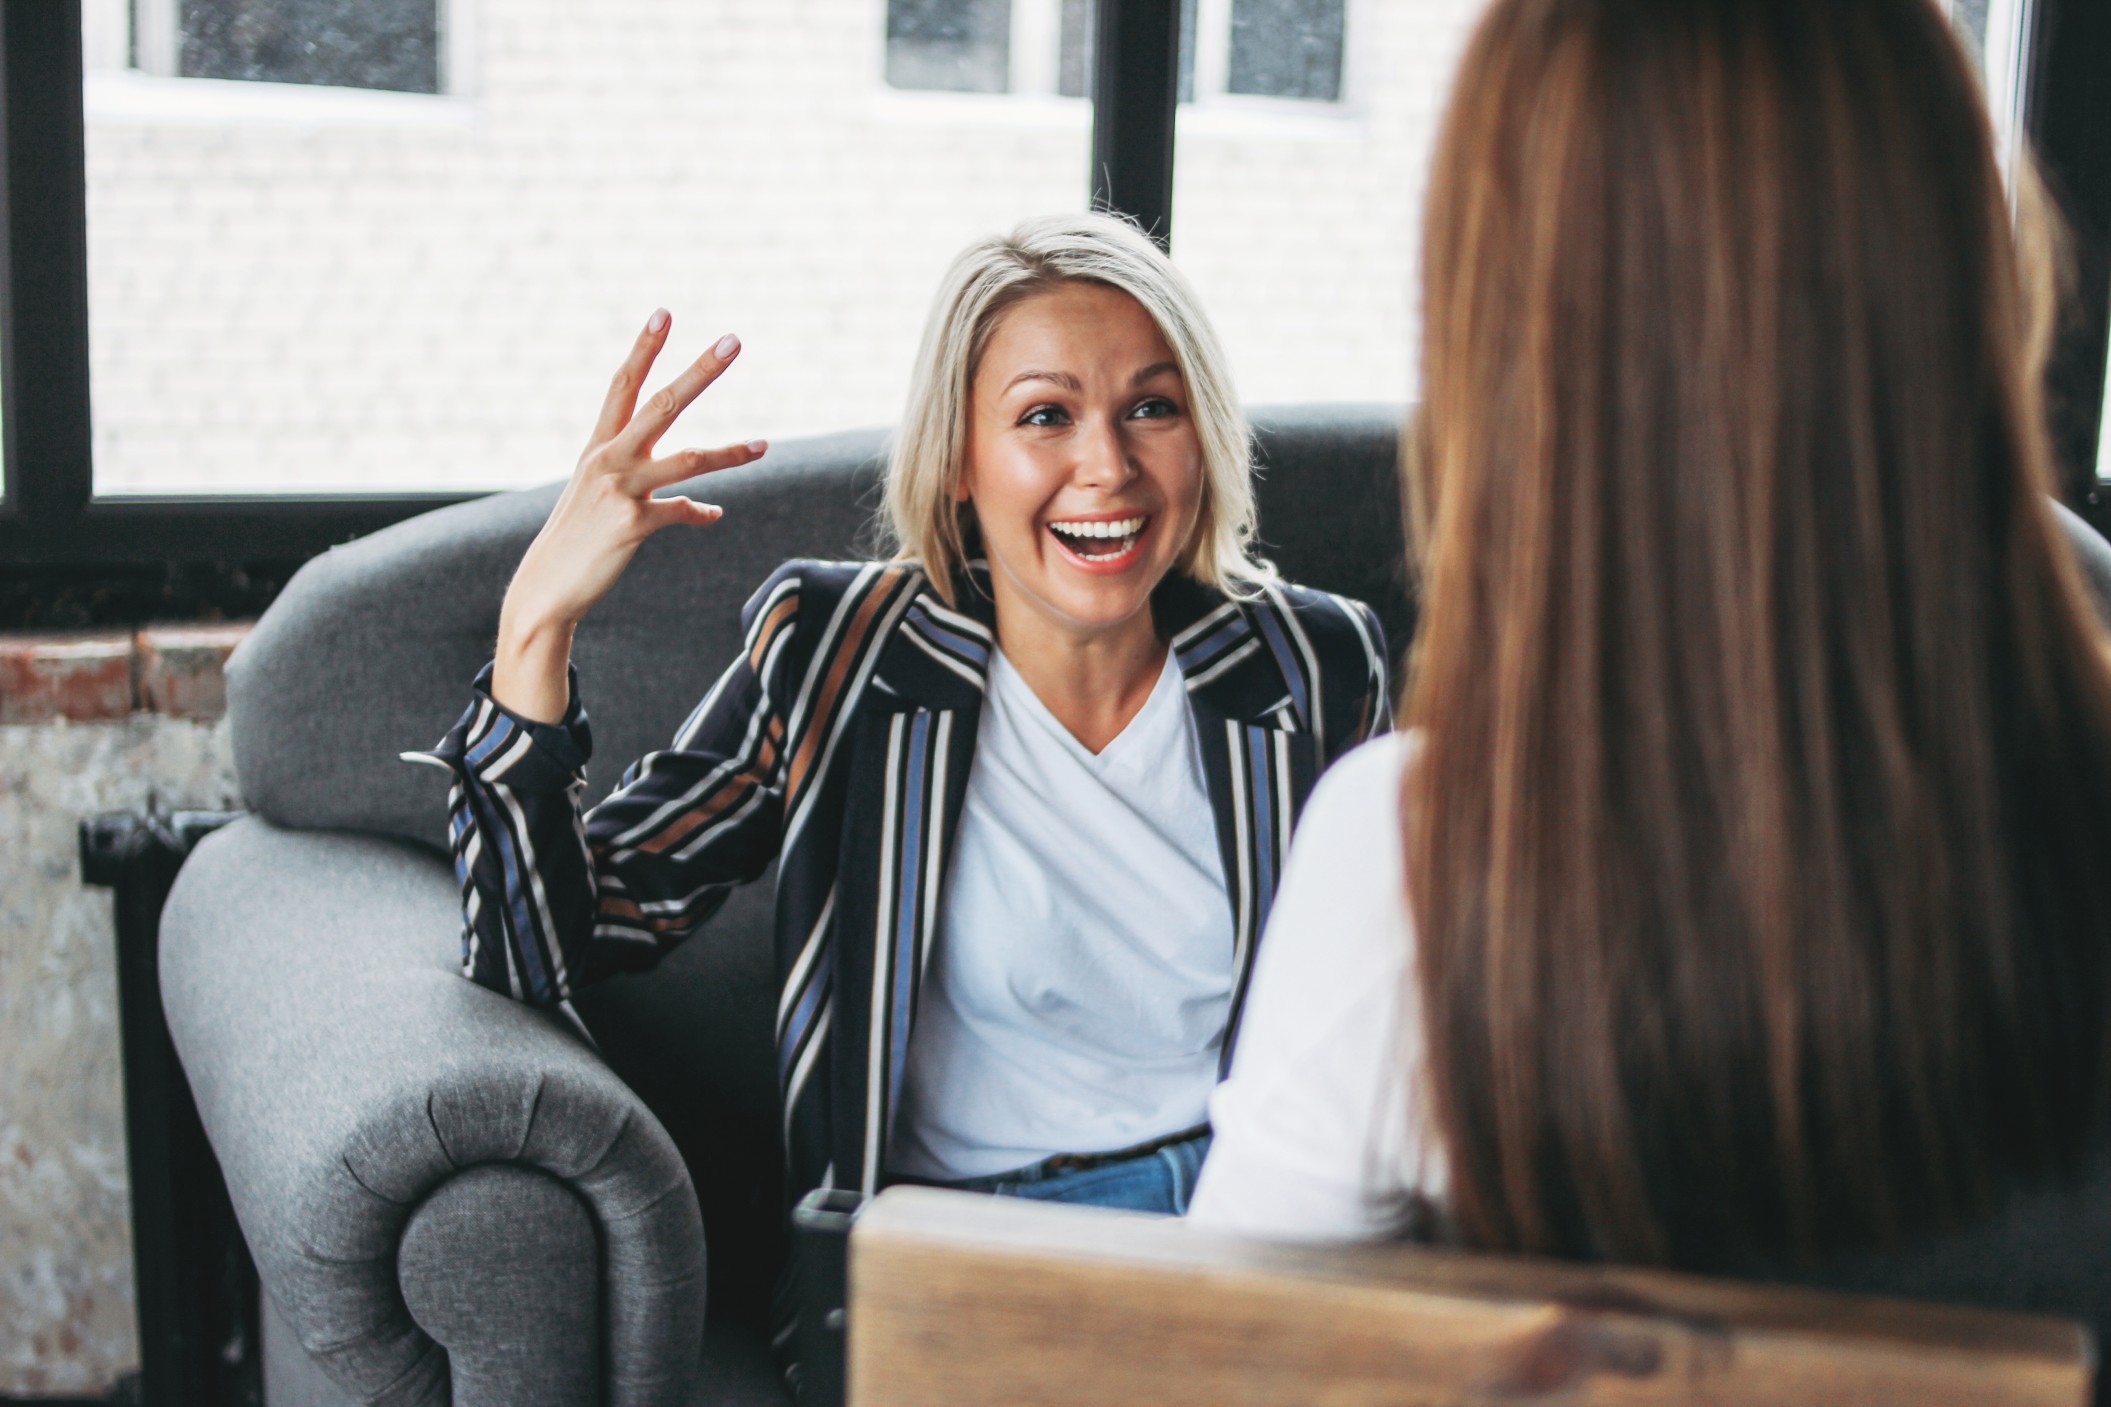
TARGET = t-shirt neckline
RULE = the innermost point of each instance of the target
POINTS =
(1005, 676)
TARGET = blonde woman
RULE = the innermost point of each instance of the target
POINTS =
(1029, 784)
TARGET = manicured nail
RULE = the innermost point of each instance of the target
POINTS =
(657, 321)
(757, 446)
(727, 346)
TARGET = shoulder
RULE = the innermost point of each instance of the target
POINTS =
(1344, 633)
(1358, 798)
(811, 588)
(1341, 925)
(1340, 640)
(1316, 1128)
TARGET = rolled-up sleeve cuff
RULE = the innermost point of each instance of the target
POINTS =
(490, 743)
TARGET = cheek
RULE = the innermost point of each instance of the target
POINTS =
(1007, 493)
(1184, 487)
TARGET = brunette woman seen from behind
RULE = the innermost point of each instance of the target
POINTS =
(1740, 871)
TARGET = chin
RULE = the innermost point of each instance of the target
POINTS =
(1101, 604)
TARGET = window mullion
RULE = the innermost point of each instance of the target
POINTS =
(1212, 48)
(1135, 95)
(1037, 37)
(157, 36)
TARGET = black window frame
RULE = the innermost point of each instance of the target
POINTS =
(2070, 131)
(51, 521)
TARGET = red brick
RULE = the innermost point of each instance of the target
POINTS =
(183, 668)
(82, 677)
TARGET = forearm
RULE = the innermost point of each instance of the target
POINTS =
(531, 672)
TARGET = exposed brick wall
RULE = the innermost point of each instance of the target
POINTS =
(176, 671)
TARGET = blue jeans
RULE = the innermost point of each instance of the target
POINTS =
(1161, 1180)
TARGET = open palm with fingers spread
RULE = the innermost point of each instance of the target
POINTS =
(606, 510)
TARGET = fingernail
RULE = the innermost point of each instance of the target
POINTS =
(727, 346)
(757, 446)
(657, 321)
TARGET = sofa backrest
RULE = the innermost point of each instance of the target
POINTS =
(370, 650)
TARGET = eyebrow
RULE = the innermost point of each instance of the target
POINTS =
(1061, 378)
(1072, 384)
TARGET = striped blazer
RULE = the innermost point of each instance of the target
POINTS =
(839, 745)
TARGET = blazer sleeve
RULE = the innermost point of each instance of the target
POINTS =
(553, 898)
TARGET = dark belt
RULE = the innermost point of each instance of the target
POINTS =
(1080, 1162)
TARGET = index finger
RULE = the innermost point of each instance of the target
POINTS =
(622, 396)
(671, 400)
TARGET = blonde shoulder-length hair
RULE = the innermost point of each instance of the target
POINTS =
(924, 517)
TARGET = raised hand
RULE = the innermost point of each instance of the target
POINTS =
(606, 510)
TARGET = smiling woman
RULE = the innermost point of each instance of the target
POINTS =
(1027, 785)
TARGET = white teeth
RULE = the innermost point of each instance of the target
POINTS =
(1120, 527)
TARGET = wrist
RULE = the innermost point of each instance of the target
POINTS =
(531, 675)
(533, 635)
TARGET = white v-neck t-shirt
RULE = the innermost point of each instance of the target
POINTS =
(1322, 1132)
(1081, 975)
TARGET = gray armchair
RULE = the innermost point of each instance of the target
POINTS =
(452, 1197)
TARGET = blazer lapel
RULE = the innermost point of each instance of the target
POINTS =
(916, 745)
(1259, 756)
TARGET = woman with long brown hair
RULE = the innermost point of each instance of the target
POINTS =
(1737, 889)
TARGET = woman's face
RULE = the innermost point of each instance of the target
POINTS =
(1083, 461)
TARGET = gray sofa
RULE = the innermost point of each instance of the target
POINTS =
(451, 1197)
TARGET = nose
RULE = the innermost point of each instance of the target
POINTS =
(1103, 457)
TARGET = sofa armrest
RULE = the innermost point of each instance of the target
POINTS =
(345, 1071)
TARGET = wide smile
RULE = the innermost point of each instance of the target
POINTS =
(1101, 545)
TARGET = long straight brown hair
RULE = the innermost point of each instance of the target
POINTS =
(1760, 839)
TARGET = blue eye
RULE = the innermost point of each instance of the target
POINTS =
(1154, 408)
(1044, 415)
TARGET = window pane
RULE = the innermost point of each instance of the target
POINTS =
(392, 44)
(1970, 18)
(960, 46)
(1287, 48)
(2103, 452)
(1298, 223)
(325, 290)
(1075, 71)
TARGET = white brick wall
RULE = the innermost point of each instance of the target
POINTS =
(306, 288)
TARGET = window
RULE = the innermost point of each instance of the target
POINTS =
(961, 46)
(347, 292)
(1997, 32)
(385, 44)
(1302, 236)
(1286, 49)
(2103, 450)
(1272, 49)
(297, 289)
